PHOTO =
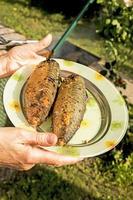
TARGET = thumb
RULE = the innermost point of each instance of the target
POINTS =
(45, 42)
(2, 52)
(41, 139)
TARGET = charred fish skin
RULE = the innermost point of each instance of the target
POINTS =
(40, 91)
(69, 108)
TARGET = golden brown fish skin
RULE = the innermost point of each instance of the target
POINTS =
(39, 92)
(69, 108)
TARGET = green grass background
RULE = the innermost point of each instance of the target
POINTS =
(107, 177)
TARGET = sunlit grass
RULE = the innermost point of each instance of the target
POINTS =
(109, 177)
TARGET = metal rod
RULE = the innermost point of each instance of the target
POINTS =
(71, 27)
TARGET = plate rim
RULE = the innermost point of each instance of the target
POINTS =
(58, 149)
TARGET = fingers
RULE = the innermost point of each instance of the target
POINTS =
(3, 52)
(45, 42)
(37, 155)
(9, 68)
(21, 55)
(41, 139)
(25, 167)
(44, 53)
(41, 44)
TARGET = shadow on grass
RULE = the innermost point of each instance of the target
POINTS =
(58, 6)
(40, 183)
(21, 2)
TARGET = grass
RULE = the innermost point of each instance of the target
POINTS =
(31, 22)
(90, 180)
(107, 177)
(35, 24)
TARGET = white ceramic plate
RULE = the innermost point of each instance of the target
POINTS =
(105, 121)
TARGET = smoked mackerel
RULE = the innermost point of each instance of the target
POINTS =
(69, 108)
(40, 91)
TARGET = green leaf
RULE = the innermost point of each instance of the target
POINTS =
(108, 21)
(124, 35)
(115, 22)
(100, 1)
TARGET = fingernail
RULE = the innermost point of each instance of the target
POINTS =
(80, 159)
(49, 36)
(51, 139)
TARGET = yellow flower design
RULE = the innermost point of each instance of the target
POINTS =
(110, 144)
(99, 77)
(14, 105)
(85, 123)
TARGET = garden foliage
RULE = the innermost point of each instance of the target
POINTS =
(107, 177)
(115, 24)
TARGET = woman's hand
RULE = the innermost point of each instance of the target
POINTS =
(21, 55)
(19, 149)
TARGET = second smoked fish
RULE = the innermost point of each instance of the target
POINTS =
(69, 108)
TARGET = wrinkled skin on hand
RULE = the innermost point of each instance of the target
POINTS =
(19, 149)
(21, 55)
